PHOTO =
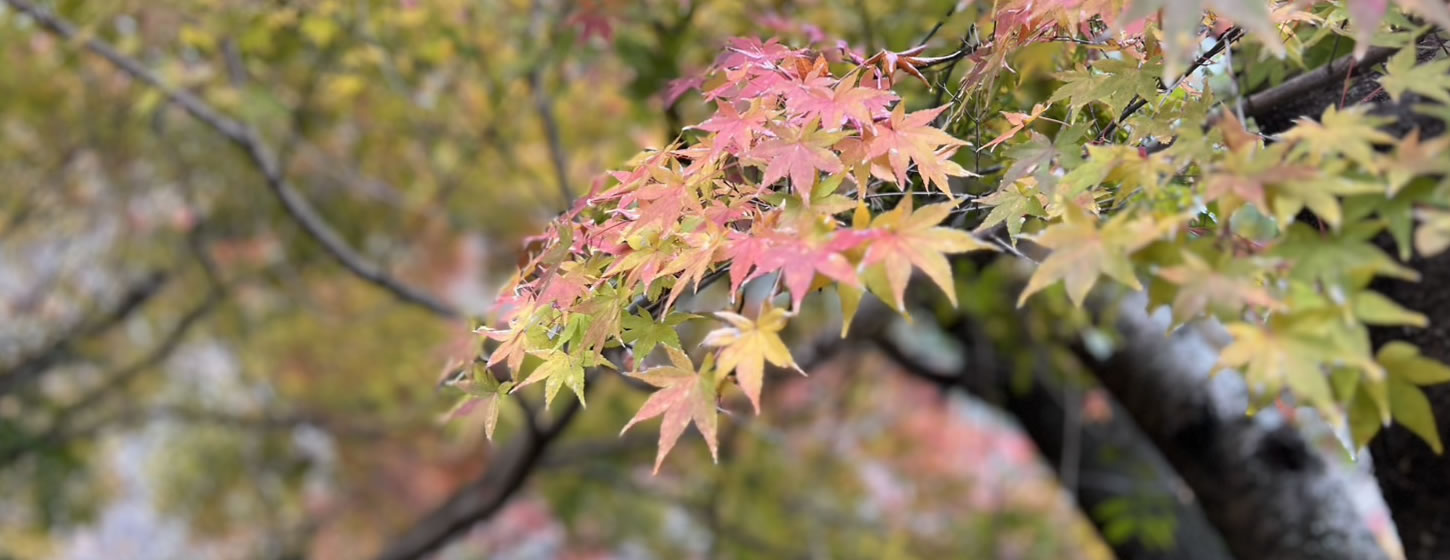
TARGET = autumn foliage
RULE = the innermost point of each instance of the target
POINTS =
(814, 173)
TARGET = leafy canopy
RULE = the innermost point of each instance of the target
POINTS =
(813, 172)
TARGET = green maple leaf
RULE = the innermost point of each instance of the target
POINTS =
(1114, 82)
(1320, 194)
(1010, 205)
(1345, 258)
(482, 393)
(1081, 252)
(1408, 370)
(559, 369)
(1033, 157)
(1351, 133)
(644, 333)
(1431, 79)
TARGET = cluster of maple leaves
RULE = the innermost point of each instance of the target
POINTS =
(775, 187)
(759, 194)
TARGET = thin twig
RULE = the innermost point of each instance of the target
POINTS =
(1138, 102)
(939, 23)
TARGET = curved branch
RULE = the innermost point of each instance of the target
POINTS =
(479, 499)
(257, 152)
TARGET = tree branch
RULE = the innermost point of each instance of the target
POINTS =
(1223, 42)
(1293, 89)
(59, 431)
(257, 153)
(29, 369)
(478, 500)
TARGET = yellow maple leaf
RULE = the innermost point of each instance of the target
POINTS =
(746, 345)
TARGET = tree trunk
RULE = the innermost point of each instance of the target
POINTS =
(1268, 492)
(1106, 461)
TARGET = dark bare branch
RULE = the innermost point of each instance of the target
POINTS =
(480, 499)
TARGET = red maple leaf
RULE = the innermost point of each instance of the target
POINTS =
(678, 86)
(834, 106)
(905, 139)
(685, 396)
(798, 153)
(799, 260)
(733, 129)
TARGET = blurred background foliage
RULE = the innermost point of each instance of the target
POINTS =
(188, 375)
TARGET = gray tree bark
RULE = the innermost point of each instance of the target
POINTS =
(1268, 492)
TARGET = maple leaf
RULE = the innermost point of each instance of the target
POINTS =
(1285, 352)
(643, 332)
(1011, 204)
(559, 369)
(685, 396)
(677, 88)
(1082, 252)
(1245, 176)
(482, 393)
(1350, 132)
(566, 285)
(514, 345)
(902, 238)
(1433, 235)
(1339, 258)
(907, 61)
(1114, 82)
(733, 129)
(741, 51)
(661, 205)
(1033, 157)
(1318, 194)
(592, 17)
(746, 345)
(1406, 370)
(1018, 121)
(742, 251)
(799, 259)
(1413, 158)
(1181, 20)
(905, 139)
(693, 262)
(1225, 289)
(1431, 79)
(798, 153)
(835, 106)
